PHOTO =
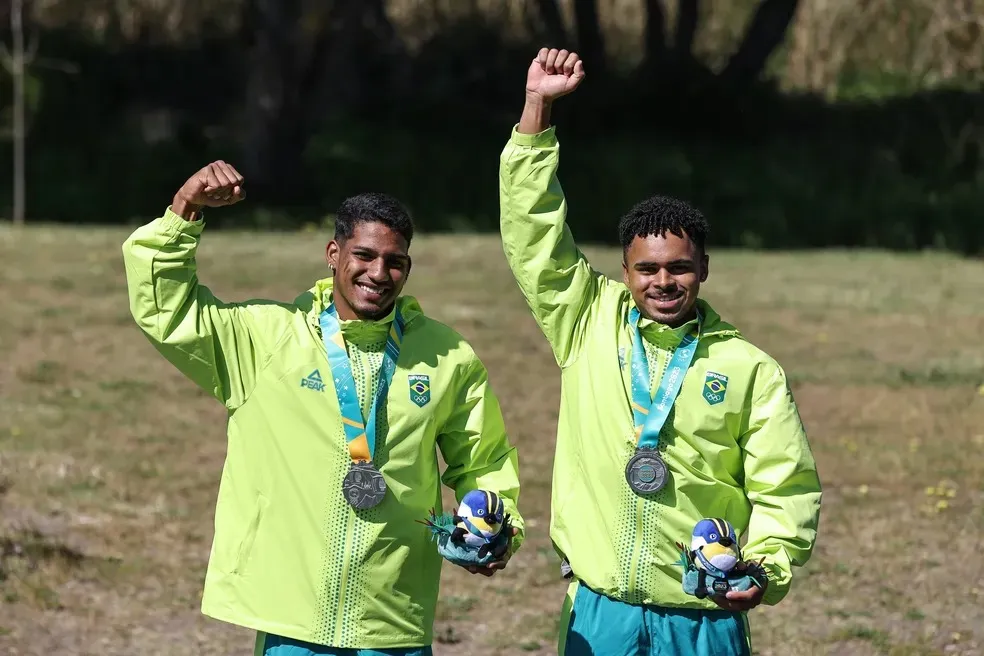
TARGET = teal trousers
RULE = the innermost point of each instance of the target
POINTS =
(596, 625)
(271, 645)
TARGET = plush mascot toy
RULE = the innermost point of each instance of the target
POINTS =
(713, 565)
(477, 533)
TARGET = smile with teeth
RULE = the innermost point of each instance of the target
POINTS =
(663, 298)
(372, 289)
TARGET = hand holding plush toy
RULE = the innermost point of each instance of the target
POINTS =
(473, 534)
(713, 564)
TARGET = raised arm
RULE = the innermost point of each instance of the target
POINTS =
(554, 276)
(211, 342)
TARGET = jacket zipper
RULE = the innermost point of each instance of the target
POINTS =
(343, 584)
(662, 357)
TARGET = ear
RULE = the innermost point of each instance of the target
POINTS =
(625, 271)
(331, 254)
(704, 263)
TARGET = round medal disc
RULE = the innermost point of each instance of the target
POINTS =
(646, 472)
(363, 487)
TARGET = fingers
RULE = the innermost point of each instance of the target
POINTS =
(235, 180)
(740, 601)
(551, 64)
(721, 602)
(487, 571)
(746, 595)
(569, 61)
(734, 606)
(211, 179)
(578, 71)
(557, 61)
(223, 182)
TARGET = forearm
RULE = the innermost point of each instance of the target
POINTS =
(184, 208)
(536, 115)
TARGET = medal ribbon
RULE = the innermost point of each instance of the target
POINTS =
(711, 569)
(650, 413)
(359, 433)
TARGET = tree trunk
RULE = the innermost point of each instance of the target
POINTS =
(765, 33)
(590, 41)
(655, 38)
(553, 22)
(686, 29)
(20, 128)
(308, 56)
(285, 43)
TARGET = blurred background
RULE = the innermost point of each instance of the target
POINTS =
(829, 132)
(797, 123)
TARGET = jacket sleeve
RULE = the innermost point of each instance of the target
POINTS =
(781, 482)
(476, 448)
(209, 341)
(553, 274)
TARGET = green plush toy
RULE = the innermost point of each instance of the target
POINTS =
(713, 565)
(477, 533)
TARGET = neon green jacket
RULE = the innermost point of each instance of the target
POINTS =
(290, 557)
(741, 454)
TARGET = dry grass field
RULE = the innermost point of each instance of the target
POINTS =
(110, 460)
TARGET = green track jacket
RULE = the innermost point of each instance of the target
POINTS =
(741, 454)
(290, 557)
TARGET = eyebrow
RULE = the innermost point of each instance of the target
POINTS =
(648, 263)
(368, 250)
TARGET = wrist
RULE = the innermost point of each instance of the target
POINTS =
(536, 114)
(537, 99)
(185, 208)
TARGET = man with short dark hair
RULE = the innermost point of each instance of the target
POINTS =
(667, 415)
(337, 405)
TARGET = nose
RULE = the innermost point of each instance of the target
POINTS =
(664, 279)
(378, 271)
(725, 541)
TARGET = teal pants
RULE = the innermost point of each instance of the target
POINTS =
(271, 645)
(595, 625)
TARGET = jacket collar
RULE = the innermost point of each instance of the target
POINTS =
(713, 324)
(317, 299)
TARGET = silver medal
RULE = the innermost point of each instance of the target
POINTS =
(646, 472)
(363, 487)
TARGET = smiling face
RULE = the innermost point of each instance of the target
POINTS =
(664, 272)
(371, 266)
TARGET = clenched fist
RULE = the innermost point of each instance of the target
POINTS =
(216, 185)
(553, 73)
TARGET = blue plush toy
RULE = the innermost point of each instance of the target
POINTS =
(473, 534)
(713, 565)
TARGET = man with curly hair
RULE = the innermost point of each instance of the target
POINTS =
(667, 415)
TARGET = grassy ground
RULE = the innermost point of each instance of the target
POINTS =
(110, 460)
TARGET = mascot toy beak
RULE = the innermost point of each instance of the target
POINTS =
(721, 555)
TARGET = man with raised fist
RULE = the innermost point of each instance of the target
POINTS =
(337, 404)
(667, 415)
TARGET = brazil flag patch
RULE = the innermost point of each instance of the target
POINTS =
(420, 391)
(715, 388)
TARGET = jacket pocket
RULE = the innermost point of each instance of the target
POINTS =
(246, 545)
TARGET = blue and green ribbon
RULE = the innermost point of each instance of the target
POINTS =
(360, 433)
(650, 413)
